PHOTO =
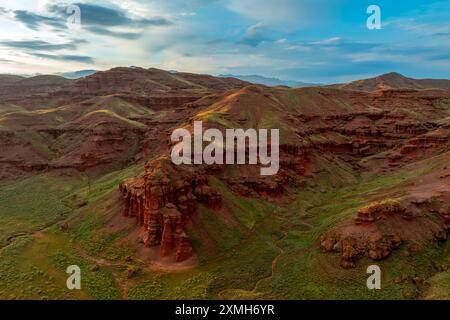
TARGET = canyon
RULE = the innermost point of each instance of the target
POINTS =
(364, 171)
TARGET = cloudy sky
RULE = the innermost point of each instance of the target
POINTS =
(308, 40)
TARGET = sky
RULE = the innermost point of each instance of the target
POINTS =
(304, 40)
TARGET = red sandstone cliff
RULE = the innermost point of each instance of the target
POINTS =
(163, 202)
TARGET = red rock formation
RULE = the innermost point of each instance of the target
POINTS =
(163, 201)
(184, 248)
(382, 227)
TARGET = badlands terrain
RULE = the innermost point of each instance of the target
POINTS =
(86, 179)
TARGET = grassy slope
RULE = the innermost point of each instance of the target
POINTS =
(38, 141)
(439, 287)
(33, 265)
(8, 107)
(29, 205)
(304, 273)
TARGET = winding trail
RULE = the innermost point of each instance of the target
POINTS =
(273, 266)
(275, 260)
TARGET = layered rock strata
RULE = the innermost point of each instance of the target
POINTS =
(163, 202)
(384, 226)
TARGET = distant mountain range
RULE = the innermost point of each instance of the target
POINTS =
(271, 82)
(391, 80)
(257, 79)
(77, 74)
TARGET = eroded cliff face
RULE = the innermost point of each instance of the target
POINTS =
(380, 127)
(383, 226)
(421, 213)
(163, 201)
(94, 124)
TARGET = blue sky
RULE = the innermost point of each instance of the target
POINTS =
(307, 40)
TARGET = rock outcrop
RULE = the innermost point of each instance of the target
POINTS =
(163, 202)
(382, 227)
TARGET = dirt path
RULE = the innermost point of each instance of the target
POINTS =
(275, 260)
(273, 266)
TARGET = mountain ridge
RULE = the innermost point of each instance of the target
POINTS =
(394, 80)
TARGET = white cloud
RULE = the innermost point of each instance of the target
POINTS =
(292, 12)
(332, 40)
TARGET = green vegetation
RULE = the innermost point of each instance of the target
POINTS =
(115, 116)
(118, 106)
(9, 107)
(39, 141)
(33, 263)
(439, 287)
(31, 204)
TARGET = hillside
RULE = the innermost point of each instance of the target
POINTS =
(6, 79)
(395, 80)
(100, 121)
